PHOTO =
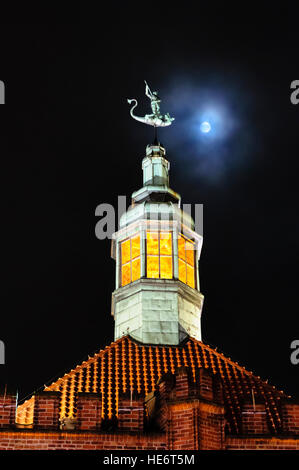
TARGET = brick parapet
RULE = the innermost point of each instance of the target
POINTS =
(89, 411)
(254, 418)
(46, 410)
(290, 418)
(131, 412)
(189, 415)
(7, 409)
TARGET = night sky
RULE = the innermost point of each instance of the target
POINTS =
(68, 144)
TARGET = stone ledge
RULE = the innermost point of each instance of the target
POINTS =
(266, 437)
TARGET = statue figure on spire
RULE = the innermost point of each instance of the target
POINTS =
(155, 100)
(155, 119)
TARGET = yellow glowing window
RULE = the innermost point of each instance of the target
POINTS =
(135, 269)
(186, 252)
(125, 251)
(159, 255)
(165, 244)
(130, 260)
(152, 243)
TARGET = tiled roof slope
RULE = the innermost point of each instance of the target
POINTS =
(127, 365)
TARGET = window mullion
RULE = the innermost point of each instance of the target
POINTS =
(130, 259)
(159, 254)
(186, 261)
(175, 254)
(143, 254)
(119, 266)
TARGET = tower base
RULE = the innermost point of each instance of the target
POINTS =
(157, 311)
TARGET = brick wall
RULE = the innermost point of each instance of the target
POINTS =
(7, 409)
(261, 443)
(193, 417)
(211, 426)
(290, 418)
(206, 384)
(131, 413)
(46, 410)
(254, 418)
(181, 426)
(73, 440)
(89, 411)
(189, 416)
(255, 431)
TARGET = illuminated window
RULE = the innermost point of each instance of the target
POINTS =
(186, 252)
(130, 260)
(159, 255)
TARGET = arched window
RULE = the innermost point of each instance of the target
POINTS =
(159, 255)
(130, 260)
(186, 252)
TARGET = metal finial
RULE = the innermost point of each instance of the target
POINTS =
(155, 119)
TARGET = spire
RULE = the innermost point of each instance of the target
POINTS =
(157, 298)
(156, 142)
(155, 169)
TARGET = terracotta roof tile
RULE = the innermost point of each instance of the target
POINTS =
(127, 365)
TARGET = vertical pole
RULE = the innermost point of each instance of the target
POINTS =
(17, 399)
(156, 136)
(253, 400)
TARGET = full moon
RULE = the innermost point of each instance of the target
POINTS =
(205, 127)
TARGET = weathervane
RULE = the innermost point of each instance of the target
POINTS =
(155, 119)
